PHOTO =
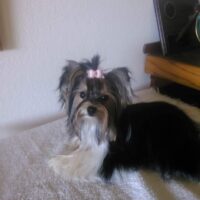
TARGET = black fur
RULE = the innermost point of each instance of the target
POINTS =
(93, 64)
(156, 136)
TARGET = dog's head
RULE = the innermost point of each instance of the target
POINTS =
(93, 99)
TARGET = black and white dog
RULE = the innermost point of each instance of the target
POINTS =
(109, 134)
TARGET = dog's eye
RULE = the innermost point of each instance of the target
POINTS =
(103, 98)
(82, 95)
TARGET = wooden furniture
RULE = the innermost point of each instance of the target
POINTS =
(173, 70)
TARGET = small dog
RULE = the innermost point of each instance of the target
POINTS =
(108, 134)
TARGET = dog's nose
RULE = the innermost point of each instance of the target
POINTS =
(91, 110)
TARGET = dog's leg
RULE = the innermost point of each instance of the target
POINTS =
(80, 164)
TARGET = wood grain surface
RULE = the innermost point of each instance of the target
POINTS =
(182, 73)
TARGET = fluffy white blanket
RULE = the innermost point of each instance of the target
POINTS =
(25, 175)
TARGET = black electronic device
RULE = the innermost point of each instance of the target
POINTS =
(176, 24)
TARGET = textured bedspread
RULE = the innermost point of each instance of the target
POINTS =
(25, 175)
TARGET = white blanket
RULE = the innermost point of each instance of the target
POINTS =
(25, 175)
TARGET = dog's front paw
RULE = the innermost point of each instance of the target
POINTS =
(61, 166)
(71, 167)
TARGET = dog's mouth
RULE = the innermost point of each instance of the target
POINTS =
(91, 119)
(91, 114)
(83, 115)
(88, 109)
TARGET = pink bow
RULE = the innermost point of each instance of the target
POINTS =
(95, 73)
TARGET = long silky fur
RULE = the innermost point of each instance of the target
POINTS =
(156, 136)
(121, 136)
(109, 95)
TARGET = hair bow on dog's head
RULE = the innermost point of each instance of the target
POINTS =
(95, 73)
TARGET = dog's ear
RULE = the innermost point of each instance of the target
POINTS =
(66, 80)
(121, 79)
(72, 75)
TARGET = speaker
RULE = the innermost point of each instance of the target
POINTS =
(176, 24)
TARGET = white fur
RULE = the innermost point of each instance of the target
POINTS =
(83, 163)
(88, 131)
(85, 153)
(86, 157)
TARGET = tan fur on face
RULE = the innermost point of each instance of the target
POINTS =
(100, 119)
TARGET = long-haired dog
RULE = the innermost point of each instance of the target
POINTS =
(109, 134)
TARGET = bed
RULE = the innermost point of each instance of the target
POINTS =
(25, 175)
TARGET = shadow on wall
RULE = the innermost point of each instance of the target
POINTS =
(15, 128)
(7, 30)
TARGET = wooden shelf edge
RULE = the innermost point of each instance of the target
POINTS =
(178, 72)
